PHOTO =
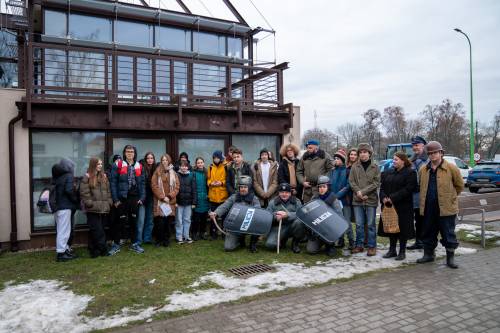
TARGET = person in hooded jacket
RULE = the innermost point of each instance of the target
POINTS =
(96, 197)
(66, 201)
(287, 168)
(149, 166)
(200, 212)
(186, 201)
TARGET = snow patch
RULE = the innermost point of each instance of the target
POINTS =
(48, 306)
(473, 231)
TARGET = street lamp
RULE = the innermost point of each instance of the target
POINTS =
(471, 134)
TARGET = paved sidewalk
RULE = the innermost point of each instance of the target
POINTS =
(421, 298)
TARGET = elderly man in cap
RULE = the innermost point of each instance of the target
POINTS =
(284, 208)
(314, 163)
(418, 160)
(246, 197)
(365, 180)
(440, 185)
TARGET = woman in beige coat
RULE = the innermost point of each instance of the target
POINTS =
(165, 186)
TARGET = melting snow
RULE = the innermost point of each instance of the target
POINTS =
(473, 231)
(48, 306)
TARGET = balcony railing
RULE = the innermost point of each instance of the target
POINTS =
(66, 73)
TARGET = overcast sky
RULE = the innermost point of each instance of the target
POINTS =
(351, 55)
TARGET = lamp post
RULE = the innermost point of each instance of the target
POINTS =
(471, 134)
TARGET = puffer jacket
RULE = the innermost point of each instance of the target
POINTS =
(97, 199)
(119, 181)
(367, 182)
(62, 178)
(200, 178)
(449, 184)
(187, 189)
(339, 184)
(160, 184)
(217, 194)
(258, 183)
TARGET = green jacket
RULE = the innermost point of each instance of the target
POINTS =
(97, 199)
(291, 207)
(367, 182)
(310, 167)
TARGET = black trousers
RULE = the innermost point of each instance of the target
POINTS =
(126, 220)
(97, 237)
(419, 226)
(199, 223)
(434, 225)
(161, 228)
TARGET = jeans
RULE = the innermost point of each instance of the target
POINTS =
(346, 211)
(148, 220)
(365, 215)
(182, 222)
(63, 225)
(141, 212)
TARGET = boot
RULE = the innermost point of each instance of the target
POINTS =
(428, 257)
(65, 256)
(340, 243)
(450, 259)
(295, 245)
(330, 250)
(417, 246)
(253, 244)
(402, 250)
(392, 249)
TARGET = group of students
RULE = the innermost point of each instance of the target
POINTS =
(144, 200)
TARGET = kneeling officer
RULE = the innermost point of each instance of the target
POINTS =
(246, 197)
(284, 208)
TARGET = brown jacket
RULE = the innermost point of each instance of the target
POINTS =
(449, 185)
(365, 181)
(272, 184)
(159, 194)
(98, 199)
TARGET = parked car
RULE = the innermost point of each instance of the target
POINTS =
(464, 168)
(484, 175)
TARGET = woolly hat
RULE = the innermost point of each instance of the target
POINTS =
(365, 146)
(341, 153)
(312, 142)
(185, 155)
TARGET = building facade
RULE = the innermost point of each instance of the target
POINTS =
(82, 78)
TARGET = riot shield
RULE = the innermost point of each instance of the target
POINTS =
(322, 220)
(243, 219)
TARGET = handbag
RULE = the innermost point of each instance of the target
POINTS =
(390, 219)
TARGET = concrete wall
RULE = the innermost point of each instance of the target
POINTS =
(8, 108)
(294, 135)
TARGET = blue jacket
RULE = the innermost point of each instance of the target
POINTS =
(119, 181)
(417, 162)
(200, 177)
(339, 184)
(62, 178)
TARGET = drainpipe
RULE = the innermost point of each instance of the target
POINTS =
(12, 174)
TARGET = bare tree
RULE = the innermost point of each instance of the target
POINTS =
(395, 124)
(350, 133)
(328, 140)
(371, 126)
(493, 137)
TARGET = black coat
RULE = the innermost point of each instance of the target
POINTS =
(231, 176)
(62, 178)
(187, 190)
(399, 186)
(284, 175)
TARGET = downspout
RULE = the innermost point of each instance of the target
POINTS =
(12, 174)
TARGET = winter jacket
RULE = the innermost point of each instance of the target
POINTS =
(290, 207)
(284, 174)
(160, 194)
(232, 175)
(418, 162)
(399, 186)
(365, 181)
(119, 181)
(449, 184)
(200, 178)
(98, 199)
(249, 200)
(217, 194)
(147, 179)
(272, 183)
(62, 178)
(187, 189)
(339, 184)
(310, 167)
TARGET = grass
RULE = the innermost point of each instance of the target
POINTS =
(490, 242)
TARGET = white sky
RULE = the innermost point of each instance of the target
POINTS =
(347, 56)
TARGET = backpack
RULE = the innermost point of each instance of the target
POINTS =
(47, 200)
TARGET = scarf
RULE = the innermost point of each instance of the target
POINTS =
(291, 171)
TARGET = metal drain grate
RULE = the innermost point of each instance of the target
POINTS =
(247, 270)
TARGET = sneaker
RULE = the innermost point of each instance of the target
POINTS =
(188, 240)
(179, 241)
(115, 248)
(136, 248)
(65, 256)
(123, 242)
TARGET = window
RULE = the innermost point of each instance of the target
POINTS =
(203, 147)
(460, 164)
(54, 68)
(234, 47)
(132, 33)
(77, 146)
(86, 70)
(144, 75)
(180, 77)
(143, 145)
(206, 43)
(8, 64)
(251, 145)
(172, 39)
(163, 79)
(208, 79)
(90, 28)
(55, 23)
(8, 74)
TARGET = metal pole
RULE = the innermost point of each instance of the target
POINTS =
(471, 133)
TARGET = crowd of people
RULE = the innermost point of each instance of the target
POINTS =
(147, 200)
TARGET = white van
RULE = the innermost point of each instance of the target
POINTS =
(464, 168)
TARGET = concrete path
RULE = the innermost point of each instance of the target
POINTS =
(420, 298)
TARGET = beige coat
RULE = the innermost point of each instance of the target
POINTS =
(159, 194)
(367, 182)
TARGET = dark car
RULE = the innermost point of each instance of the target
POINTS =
(484, 175)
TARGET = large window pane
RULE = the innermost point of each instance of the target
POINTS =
(157, 146)
(206, 43)
(234, 47)
(163, 78)
(90, 28)
(132, 33)
(8, 75)
(86, 70)
(208, 79)
(180, 77)
(252, 144)
(200, 147)
(48, 148)
(55, 23)
(54, 68)
(173, 39)
(8, 44)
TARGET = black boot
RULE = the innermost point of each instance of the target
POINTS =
(330, 250)
(417, 246)
(340, 243)
(402, 250)
(65, 256)
(295, 245)
(392, 248)
(450, 259)
(253, 244)
(428, 257)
